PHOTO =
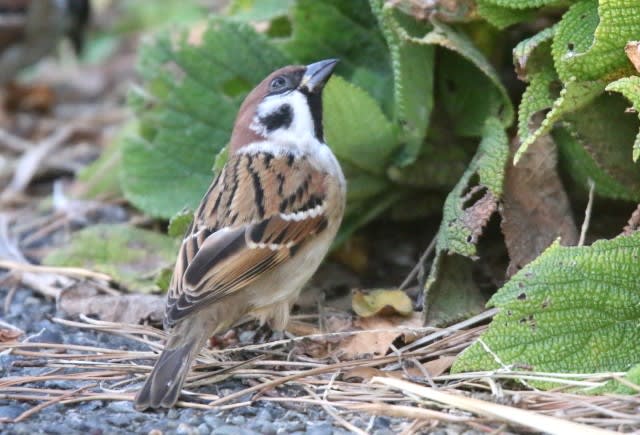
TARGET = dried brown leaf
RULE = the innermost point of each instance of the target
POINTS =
(124, 308)
(438, 366)
(9, 335)
(633, 53)
(384, 331)
(536, 209)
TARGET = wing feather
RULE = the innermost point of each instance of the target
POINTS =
(255, 224)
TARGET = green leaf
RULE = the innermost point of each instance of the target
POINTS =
(357, 131)
(616, 387)
(630, 88)
(573, 96)
(467, 210)
(187, 110)
(597, 147)
(473, 98)
(131, 256)
(590, 39)
(346, 30)
(537, 97)
(413, 69)
(533, 54)
(522, 4)
(573, 309)
(179, 223)
(458, 232)
(501, 16)
(101, 177)
(262, 10)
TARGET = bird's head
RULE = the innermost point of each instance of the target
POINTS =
(284, 107)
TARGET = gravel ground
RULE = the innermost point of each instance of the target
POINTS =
(32, 314)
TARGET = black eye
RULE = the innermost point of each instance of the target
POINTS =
(278, 83)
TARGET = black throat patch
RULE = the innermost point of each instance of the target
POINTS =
(314, 99)
(281, 118)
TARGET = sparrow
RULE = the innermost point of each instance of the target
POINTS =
(262, 228)
(30, 29)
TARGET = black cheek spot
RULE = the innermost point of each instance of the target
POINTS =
(280, 118)
(258, 231)
(294, 250)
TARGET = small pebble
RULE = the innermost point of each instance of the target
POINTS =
(10, 411)
(120, 406)
(246, 336)
(237, 420)
(185, 429)
(173, 414)
(320, 429)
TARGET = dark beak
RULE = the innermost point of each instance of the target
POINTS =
(317, 75)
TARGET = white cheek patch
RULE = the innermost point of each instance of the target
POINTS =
(301, 125)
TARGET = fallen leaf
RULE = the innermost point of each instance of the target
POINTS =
(383, 332)
(438, 366)
(536, 209)
(633, 53)
(132, 256)
(381, 302)
(9, 335)
(123, 308)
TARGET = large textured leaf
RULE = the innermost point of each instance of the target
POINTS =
(590, 39)
(575, 95)
(356, 129)
(570, 310)
(186, 110)
(413, 69)
(601, 136)
(259, 10)
(502, 16)
(347, 30)
(630, 88)
(132, 256)
(469, 97)
(466, 211)
(588, 52)
(522, 4)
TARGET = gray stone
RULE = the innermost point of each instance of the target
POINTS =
(185, 429)
(204, 429)
(120, 420)
(320, 429)
(237, 420)
(267, 428)
(228, 429)
(173, 414)
(212, 420)
(121, 406)
(10, 411)
(247, 336)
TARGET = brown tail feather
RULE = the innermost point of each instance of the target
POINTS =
(164, 384)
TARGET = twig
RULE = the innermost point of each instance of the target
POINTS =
(534, 420)
(416, 269)
(446, 331)
(30, 161)
(70, 271)
(14, 143)
(406, 412)
(587, 214)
